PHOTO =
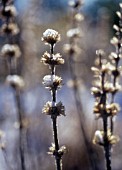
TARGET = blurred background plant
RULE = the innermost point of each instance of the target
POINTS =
(34, 16)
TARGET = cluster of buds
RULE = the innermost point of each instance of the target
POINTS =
(10, 51)
(106, 85)
(53, 83)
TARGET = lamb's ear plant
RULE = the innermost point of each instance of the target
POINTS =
(105, 88)
(53, 83)
(11, 53)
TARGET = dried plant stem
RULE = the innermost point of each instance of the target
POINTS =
(6, 159)
(107, 147)
(21, 129)
(55, 135)
(80, 112)
(54, 121)
(53, 83)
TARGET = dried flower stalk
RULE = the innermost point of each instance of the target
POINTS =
(74, 51)
(106, 87)
(11, 53)
(53, 83)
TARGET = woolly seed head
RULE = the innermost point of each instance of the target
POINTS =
(78, 17)
(115, 27)
(56, 110)
(52, 59)
(9, 11)
(114, 41)
(15, 80)
(75, 32)
(75, 3)
(113, 109)
(99, 137)
(10, 28)
(51, 36)
(100, 52)
(72, 49)
(52, 82)
(10, 50)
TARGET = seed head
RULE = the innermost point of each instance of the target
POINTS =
(15, 81)
(75, 3)
(112, 109)
(78, 17)
(72, 49)
(96, 91)
(10, 50)
(119, 14)
(74, 33)
(99, 137)
(51, 36)
(100, 52)
(9, 11)
(114, 41)
(10, 28)
(52, 59)
(57, 110)
(115, 27)
(52, 82)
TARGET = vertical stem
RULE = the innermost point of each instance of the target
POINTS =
(52, 49)
(108, 157)
(107, 147)
(54, 118)
(21, 140)
(55, 133)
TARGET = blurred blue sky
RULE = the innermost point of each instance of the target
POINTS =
(21, 5)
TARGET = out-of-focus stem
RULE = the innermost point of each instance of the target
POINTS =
(21, 128)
